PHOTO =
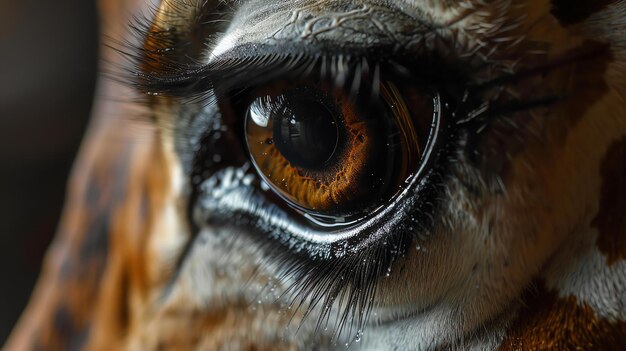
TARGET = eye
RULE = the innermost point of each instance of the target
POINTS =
(332, 166)
(335, 154)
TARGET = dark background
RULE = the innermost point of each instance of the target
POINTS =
(48, 58)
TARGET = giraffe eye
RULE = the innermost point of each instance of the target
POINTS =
(334, 154)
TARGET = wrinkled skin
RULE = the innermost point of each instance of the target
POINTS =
(528, 243)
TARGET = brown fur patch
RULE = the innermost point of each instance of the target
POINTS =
(579, 82)
(611, 218)
(178, 33)
(233, 328)
(61, 312)
(575, 11)
(548, 322)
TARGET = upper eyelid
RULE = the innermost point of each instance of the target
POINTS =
(157, 70)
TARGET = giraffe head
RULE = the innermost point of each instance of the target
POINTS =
(494, 217)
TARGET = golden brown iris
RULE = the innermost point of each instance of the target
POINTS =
(331, 152)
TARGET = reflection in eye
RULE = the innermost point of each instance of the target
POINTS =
(333, 153)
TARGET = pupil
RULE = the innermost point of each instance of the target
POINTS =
(306, 133)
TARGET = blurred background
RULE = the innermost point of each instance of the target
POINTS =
(48, 64)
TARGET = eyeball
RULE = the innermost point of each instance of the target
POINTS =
(333, 153)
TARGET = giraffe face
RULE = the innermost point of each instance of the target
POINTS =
(467, 153)
(499, 197)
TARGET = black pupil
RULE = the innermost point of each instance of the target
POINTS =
(306, 133)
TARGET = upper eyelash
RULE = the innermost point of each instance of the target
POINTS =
(231, 72)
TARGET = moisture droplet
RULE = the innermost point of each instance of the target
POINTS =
(359, 335)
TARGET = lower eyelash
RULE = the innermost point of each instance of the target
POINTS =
(349, 280)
